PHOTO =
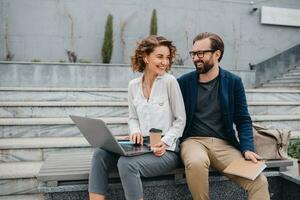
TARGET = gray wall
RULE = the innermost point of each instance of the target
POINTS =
(22, 74)
(42, 29)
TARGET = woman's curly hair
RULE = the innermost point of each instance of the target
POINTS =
(147, 46)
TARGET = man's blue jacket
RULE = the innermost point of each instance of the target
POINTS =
(233, 105)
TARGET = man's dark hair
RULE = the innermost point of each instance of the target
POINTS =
(216, 41)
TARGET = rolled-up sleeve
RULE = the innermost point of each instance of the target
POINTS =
(178, 111)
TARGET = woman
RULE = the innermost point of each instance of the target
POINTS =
(155, 101)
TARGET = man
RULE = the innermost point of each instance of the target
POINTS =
(215, 100)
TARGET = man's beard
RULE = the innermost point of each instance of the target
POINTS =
(205, 68)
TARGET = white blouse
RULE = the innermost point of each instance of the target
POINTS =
(164, 110)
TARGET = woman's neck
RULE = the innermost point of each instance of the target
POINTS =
(147, 82)
(149, 78)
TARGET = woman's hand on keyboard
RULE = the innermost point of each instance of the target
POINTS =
(136, 138)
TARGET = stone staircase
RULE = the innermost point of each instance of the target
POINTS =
(289, 80)
(31, 127)
(34, 122)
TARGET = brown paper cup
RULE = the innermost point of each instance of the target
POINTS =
(154, 138)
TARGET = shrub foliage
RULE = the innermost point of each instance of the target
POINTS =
(294, 149)
(153, 23)
(107, 47)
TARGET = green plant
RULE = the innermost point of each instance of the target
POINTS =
(294, 149)
(107, 47)
(36, 60)
(62, 61)
(81, 60)
(153, 23)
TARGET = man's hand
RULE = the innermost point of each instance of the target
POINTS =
(250, 155)
(136, 138)
(159, 149)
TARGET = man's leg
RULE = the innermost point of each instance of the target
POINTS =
(222, 154)
(196, 162)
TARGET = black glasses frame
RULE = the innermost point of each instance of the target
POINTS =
(200, 54)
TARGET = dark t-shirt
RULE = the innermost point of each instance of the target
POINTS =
(208, 120)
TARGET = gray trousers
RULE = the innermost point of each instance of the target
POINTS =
(131, 169)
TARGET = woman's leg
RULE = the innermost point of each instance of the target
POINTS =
(146, 165)
(102, 162)
(94, 196)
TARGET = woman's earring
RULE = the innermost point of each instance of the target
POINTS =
(146, 61)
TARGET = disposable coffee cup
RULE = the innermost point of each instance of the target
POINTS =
(155, 136)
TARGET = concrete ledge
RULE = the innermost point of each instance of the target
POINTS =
(116, 103)
(56, 121)
(15, 74)
(72, 175)
(273, 103)
(272, 90)
(259, 118)
(23, 197)
(63, 104)
(28, 74)
(32, 143)
(164, 189)
(123, 120)
(124, 89)
(76, 166)
(19, 170)
(63, 89)
(293, 178)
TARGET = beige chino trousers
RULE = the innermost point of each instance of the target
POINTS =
(199, 153)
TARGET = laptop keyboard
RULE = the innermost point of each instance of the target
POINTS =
(130, 147)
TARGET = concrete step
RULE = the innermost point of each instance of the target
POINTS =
(274, 108)
(282, 85)
(52, 127)
(291, 74)
(74, 74)
(62, 94)
(295, 134)
(64, 75)
(288, 78)
(22, 109)
(18, 178)
(289, 122)
(50, 121)
(64, 127)
(295, 70)
(284, 81)
(23, 197)
(114, 109)
(114, 94)
(269, 94)
(38, 149)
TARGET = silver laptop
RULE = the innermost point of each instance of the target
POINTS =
(98, 135)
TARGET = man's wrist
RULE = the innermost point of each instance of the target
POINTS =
(243, 153)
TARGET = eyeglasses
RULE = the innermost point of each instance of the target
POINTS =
(200, 54)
